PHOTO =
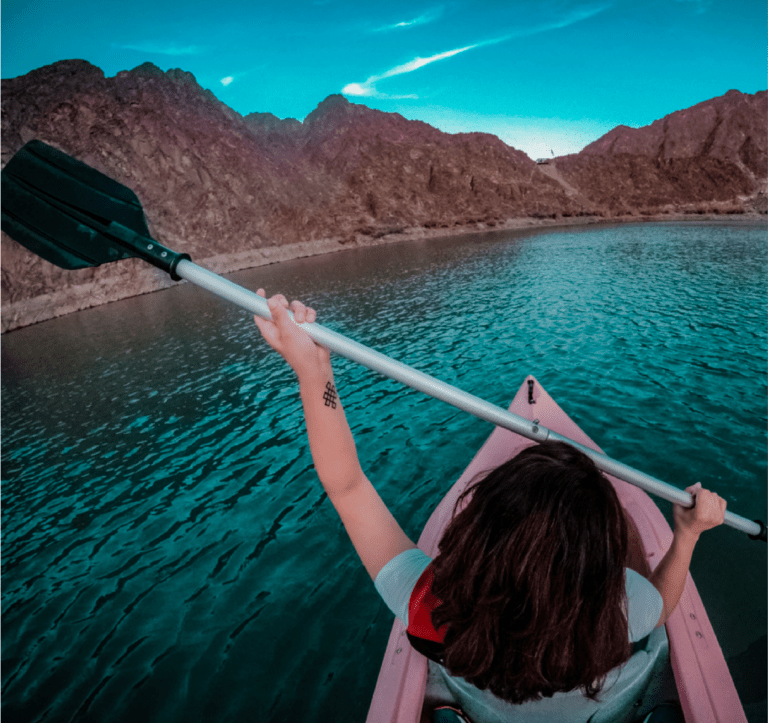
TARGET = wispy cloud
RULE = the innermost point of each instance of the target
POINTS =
(417, 63)
(227, 81)
(162, 48)
(422, 19)
(368, 89)
(575, 16)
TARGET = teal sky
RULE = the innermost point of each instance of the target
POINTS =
(544, 75)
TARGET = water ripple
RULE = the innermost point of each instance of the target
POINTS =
(167, 550)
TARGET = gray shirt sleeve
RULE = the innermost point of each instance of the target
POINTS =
(645, 605)
(398, 577)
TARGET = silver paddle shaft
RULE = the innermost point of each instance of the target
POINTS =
(441, 390)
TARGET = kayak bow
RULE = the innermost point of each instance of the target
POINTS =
(689, 666)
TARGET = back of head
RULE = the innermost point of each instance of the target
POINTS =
(531, 577)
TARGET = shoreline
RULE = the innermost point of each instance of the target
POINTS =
(27, 312)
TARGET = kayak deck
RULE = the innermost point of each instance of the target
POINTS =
(702, 682)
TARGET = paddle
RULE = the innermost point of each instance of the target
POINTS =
(75, 217)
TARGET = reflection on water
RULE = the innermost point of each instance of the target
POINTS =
(167, 549)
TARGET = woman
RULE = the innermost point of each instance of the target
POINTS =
(528, 606)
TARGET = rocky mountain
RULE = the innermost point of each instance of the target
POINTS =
(712, 157)
(202, 175)
(730, 128)
(236, 191)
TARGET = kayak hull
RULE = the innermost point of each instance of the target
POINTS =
(702, 681)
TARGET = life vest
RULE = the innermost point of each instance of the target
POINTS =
(421, 632)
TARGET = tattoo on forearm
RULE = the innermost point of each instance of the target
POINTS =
(330, 395)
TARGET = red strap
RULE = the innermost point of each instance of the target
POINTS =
(420, 608)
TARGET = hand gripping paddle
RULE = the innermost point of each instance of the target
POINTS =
(74, 216)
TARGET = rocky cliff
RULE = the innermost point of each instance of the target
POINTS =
(236, 191)
(712, 157)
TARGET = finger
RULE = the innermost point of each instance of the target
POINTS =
(274, 305)
(261, 292)
(279, 312)
(311, 315)
(268, 330)
(280, 299)
(260, 323)
(693, 490)
(299, 312)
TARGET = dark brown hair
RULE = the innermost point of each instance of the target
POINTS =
(531, 577)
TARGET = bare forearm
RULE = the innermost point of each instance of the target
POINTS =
(671, 573)
(330, 438)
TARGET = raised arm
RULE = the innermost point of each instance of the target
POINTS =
(670, 574)
(374, 532)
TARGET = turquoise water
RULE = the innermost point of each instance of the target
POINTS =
(167, 552)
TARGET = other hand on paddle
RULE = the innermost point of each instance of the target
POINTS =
(289, 340)
(670, 575)
(708, 511)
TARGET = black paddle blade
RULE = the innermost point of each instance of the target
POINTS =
(74, 216)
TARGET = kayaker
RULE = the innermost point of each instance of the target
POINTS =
(528, 602)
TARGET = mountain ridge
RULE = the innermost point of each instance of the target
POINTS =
(238, 191)
(711, 156)
(716, 127)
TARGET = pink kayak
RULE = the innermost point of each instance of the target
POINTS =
(683, 662)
